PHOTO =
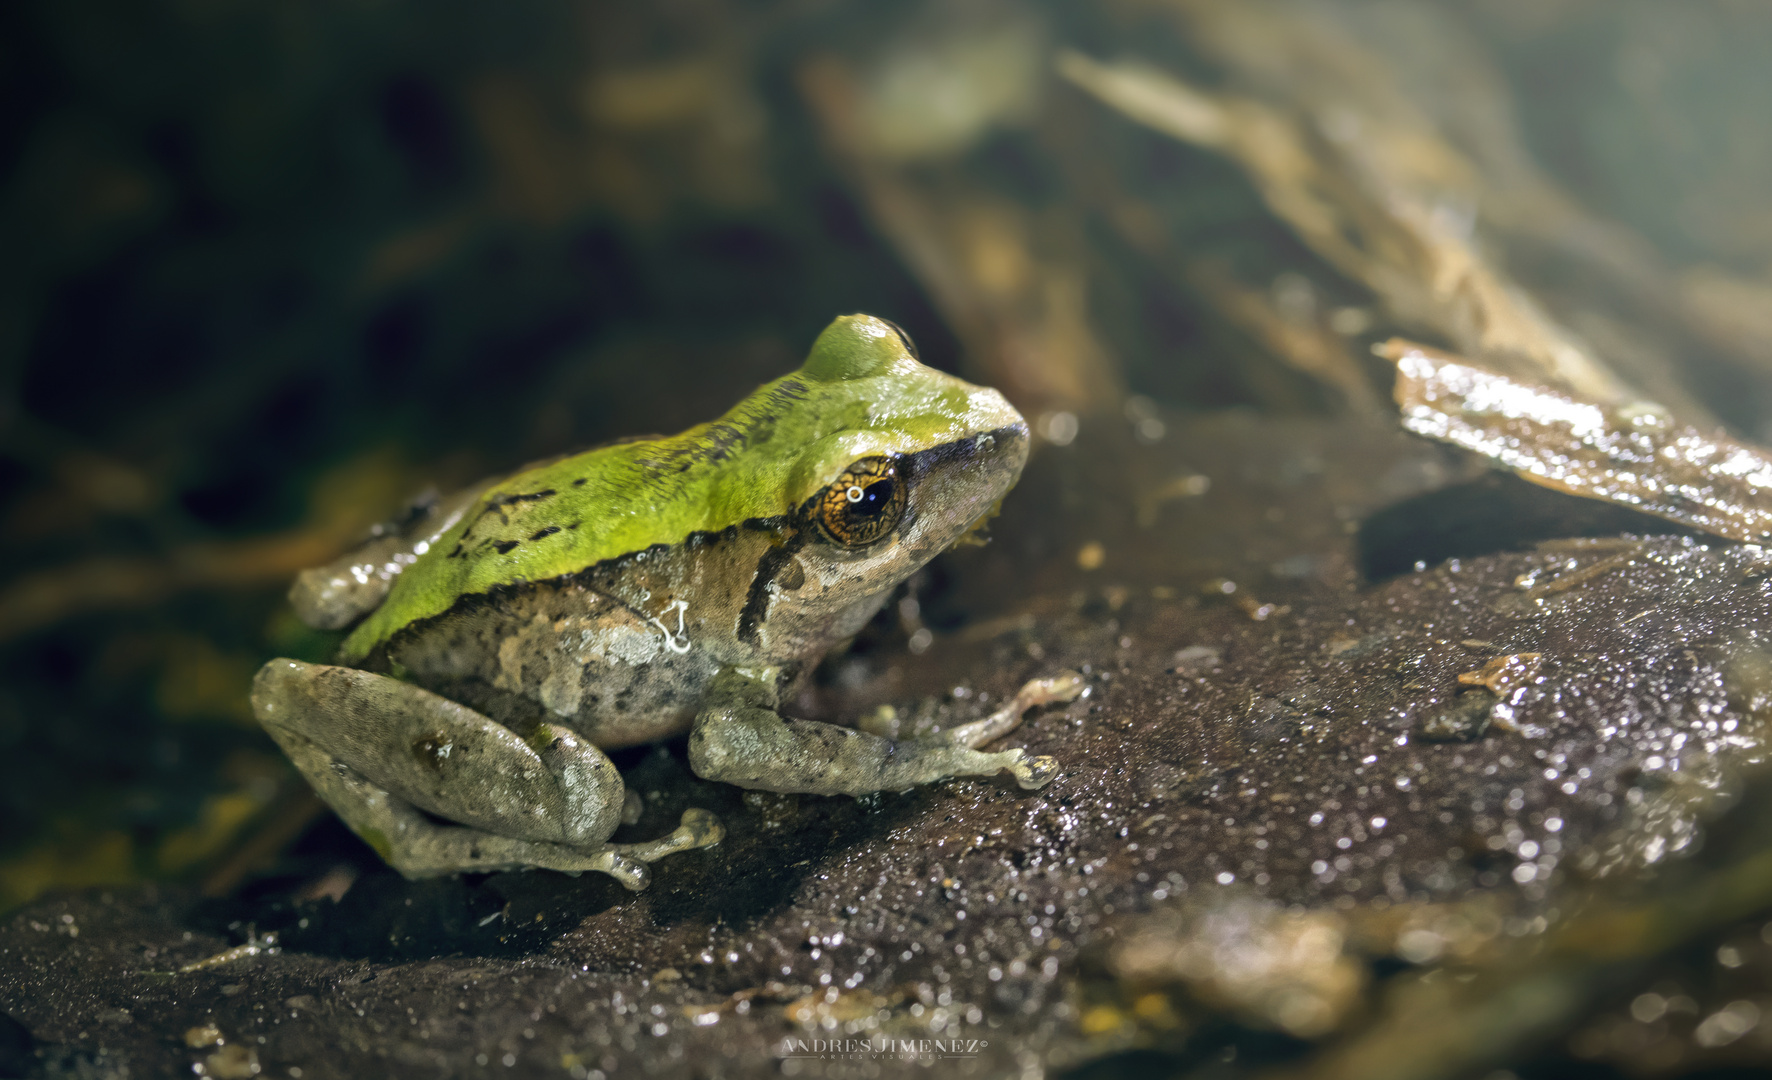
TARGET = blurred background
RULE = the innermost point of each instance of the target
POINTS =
(268, 269)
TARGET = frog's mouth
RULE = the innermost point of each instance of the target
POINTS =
(978, 534)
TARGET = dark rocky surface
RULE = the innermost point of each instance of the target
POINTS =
(273, 268)
(1252, 737)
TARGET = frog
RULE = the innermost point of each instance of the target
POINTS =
(501, 641)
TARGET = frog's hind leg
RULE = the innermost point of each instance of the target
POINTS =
(391, 758)
(740, 739)
(418, 846)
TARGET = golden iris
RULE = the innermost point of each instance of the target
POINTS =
(863, 504)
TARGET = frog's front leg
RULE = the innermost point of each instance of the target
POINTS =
(388, 756)
(740, 739)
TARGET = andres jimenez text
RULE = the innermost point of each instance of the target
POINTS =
(880, 1047)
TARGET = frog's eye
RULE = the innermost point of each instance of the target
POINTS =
(863, 504)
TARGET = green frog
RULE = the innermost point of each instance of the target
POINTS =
(504, 638)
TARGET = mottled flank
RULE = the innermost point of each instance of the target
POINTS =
(859, 393)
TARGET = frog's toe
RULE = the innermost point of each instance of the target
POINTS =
(633, 874)
(1063, 687)
(1033, 773)
(702, 826)
(698, 829)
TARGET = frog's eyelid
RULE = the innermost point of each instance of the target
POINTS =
(909, 345)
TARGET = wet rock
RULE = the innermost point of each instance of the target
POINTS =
(1272, 721)
(1197, 660)
(1268, 965)
(1277, 815)
(1466, 719)
(16, 1046)
(1703, 1009)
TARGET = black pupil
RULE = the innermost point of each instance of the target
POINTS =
(873, 499)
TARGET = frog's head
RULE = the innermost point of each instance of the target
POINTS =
(901, 462)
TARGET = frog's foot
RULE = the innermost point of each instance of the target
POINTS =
(1065, 686)
(739, 739)
(634, 876)
(699, 829)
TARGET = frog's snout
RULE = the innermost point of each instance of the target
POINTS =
(1007, 445)
(970, 482)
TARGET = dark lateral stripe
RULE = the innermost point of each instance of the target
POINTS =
(756, 601)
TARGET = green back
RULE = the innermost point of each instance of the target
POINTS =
(858, 393)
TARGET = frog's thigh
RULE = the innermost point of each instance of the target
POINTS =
(444, 757)
(740, 739)
(418, 846)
